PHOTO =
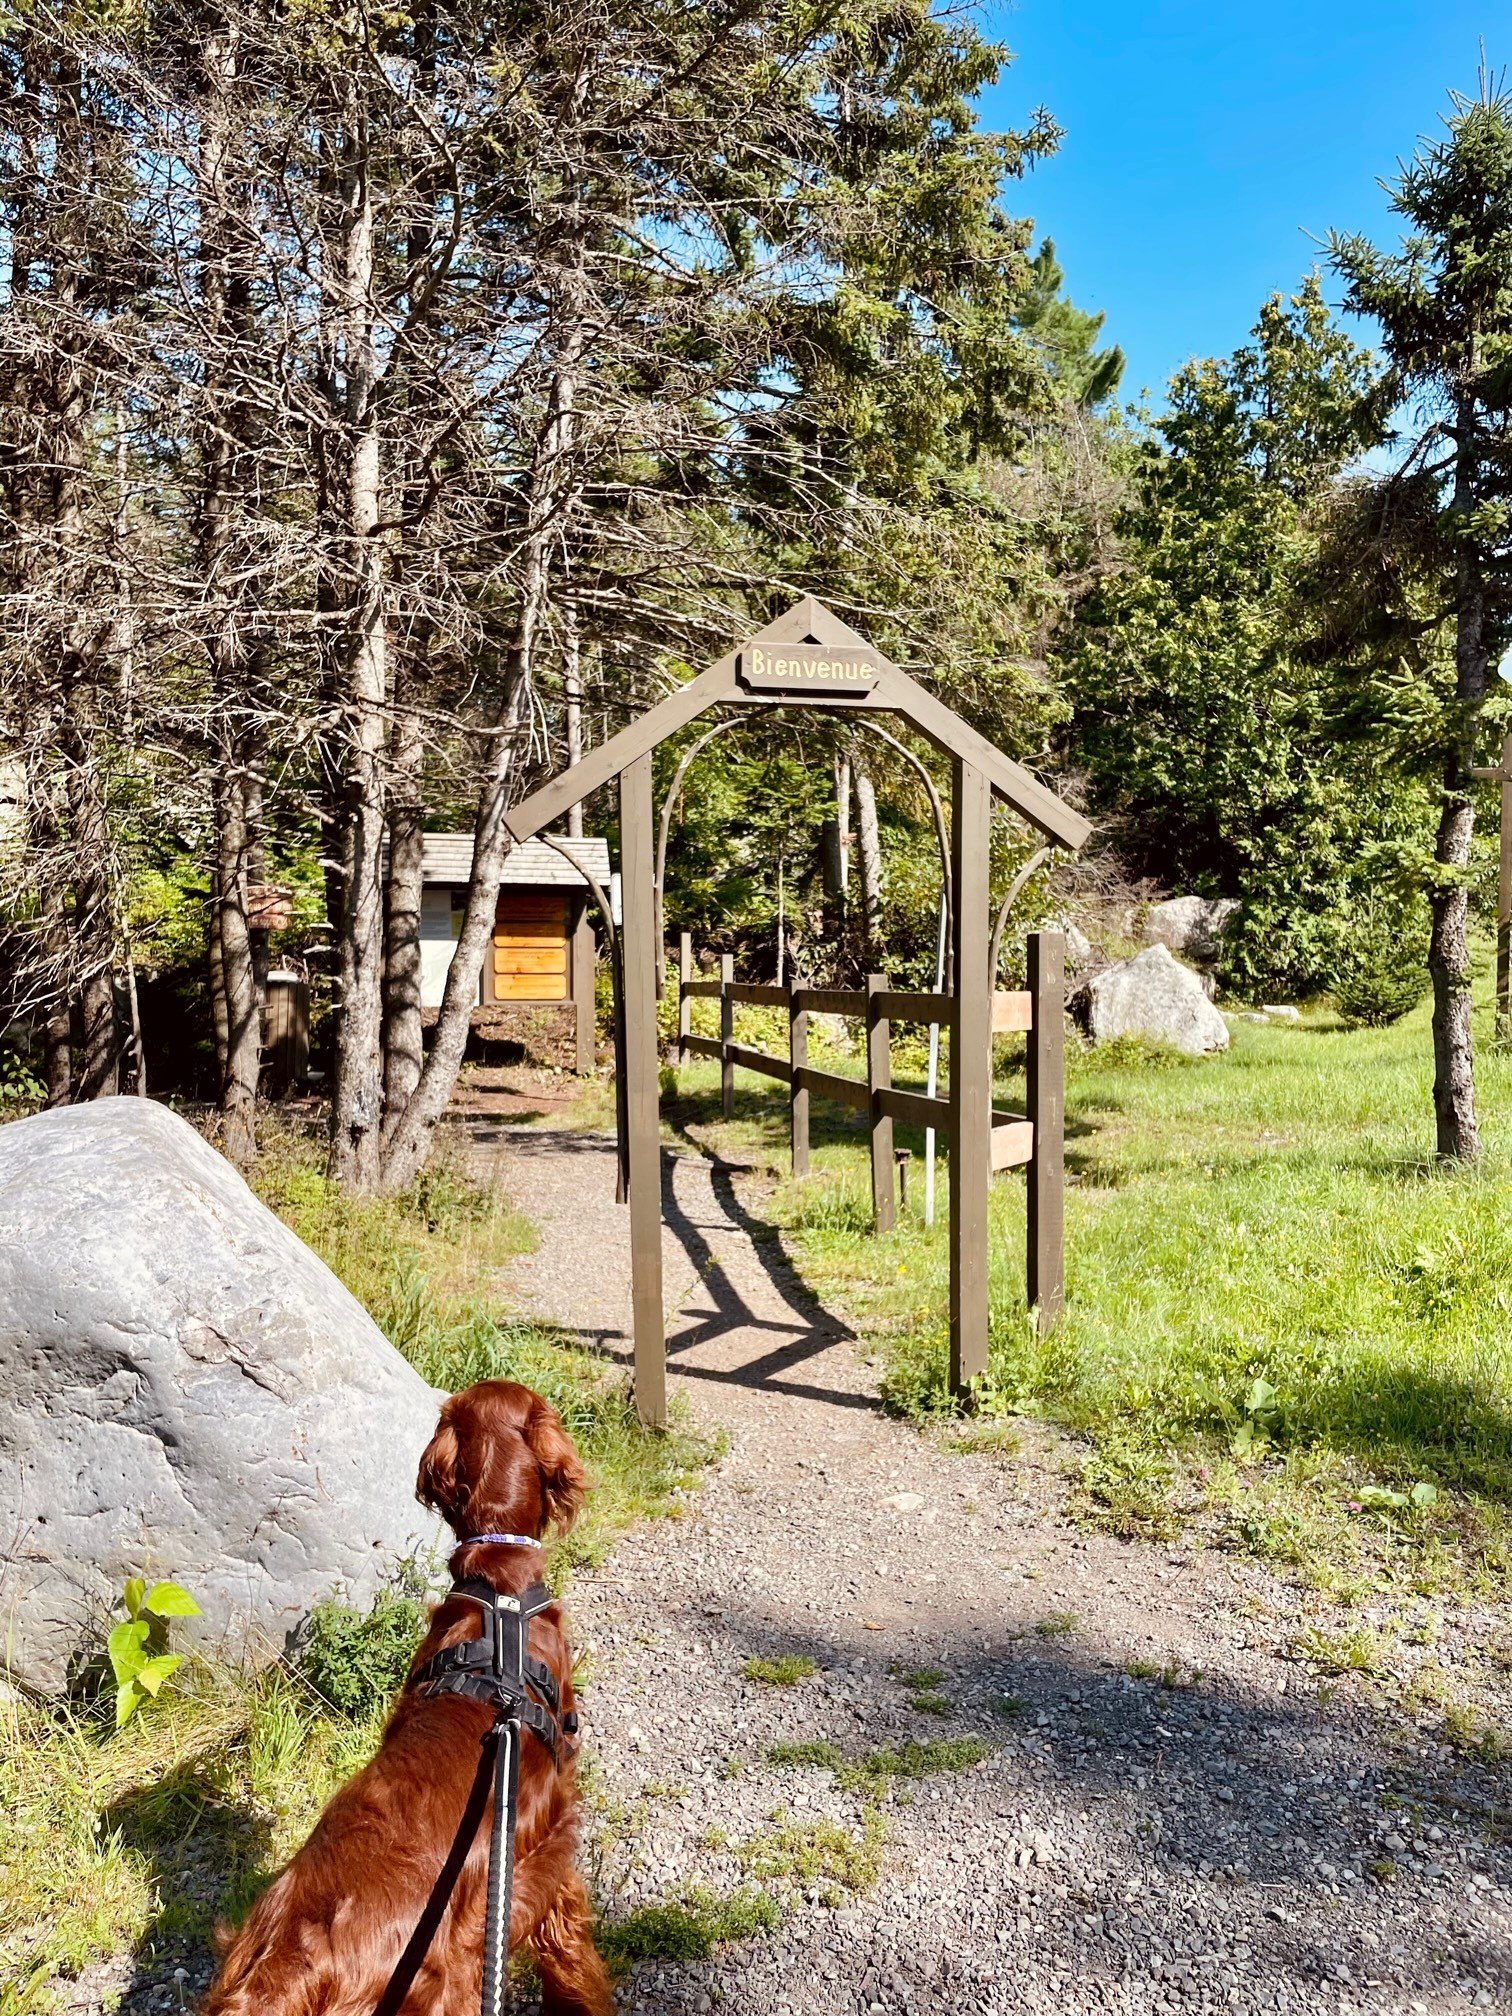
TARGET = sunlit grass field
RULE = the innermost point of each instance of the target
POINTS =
(1282, 1315)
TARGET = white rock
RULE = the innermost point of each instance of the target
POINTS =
(1078, 945)
(185, 1392)
(1282, 1012)
(904, 1501)
(1152, 996)
(1191, 925)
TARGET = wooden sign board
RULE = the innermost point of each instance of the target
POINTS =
(808, 668)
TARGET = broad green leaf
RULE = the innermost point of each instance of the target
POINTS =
(1424, 1495)
(156, 1671)
(1381, 1498)
(1262, 1397)
(126, 1647)
(132, 1596)
(129, 1698)
(168, 1599)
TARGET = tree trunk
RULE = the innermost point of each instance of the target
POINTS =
(406, 1151)
(843, 822)
(93, 927)
(57, 1029)
(409, 1145)
(225, 476)
(1458, 1137)
(403, 1040)
(89, 833)
(871, 865)
(237, 976)
(357, 1095)
(572, 693)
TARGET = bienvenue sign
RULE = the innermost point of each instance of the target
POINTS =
(808, 668)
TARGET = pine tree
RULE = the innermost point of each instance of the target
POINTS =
(1444, 303)
(1067, 335)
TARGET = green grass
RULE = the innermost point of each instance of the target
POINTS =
(690, 1928)
(890, 1763)
(138, 1841)
(817, 1854)
(1276, 1298)
(785, 1671)
(924, 1686)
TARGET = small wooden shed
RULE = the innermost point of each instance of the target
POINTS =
(537, 987)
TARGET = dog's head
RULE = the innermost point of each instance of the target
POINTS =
(500, 1461)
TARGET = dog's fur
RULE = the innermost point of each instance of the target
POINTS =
(325, 1939)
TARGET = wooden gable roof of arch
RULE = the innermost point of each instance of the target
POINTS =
(863, 679)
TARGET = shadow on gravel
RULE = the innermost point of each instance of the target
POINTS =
(800, 1340)
(209, 1855)
(806, 1337)
(1189, 1781)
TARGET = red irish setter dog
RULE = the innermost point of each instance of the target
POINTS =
(326, 1939)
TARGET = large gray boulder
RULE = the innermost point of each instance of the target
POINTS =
(1153, 996)
(1190, 926)
(185, 1392)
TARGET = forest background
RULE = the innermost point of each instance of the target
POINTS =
(395, 401)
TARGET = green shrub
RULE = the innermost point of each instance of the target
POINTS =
(687, 1930)
(1382, 970)
(357, 1659)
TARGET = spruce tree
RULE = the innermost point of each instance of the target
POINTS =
(1444, 304)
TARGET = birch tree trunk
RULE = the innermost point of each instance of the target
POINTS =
(357, 1096)
(403, 1038)
(572, 697)
(870, 836)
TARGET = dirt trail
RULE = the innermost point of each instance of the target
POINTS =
(1125, 1844)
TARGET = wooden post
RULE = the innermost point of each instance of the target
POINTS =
(1504, 904)
(642, 1116)
(684, 1005)
(583, 962)
(798, 1098)
(879, 1079)
(1047, 1110)
(726, 1035)
(970, 1079)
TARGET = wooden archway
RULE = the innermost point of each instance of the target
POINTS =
(809, 657)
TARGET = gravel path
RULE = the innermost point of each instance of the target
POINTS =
(1212, 1836)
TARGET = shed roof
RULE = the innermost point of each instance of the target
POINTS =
(448, 859)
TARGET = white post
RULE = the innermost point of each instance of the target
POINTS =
(934, 1068)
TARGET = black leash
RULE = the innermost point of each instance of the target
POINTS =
(501, 1854)
(495, 1668)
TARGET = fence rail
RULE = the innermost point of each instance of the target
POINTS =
(1033, 1139)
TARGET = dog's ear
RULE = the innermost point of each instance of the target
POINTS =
(436, 1485)
(564, 1481)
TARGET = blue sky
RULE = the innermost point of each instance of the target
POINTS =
(1203, 144)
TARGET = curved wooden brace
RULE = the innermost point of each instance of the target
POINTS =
(1015, 890)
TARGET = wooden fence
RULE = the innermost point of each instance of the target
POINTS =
(1035, 1138)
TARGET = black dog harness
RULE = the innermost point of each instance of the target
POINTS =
(497, 1669)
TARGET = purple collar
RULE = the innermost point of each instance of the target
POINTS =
(498, 1540)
